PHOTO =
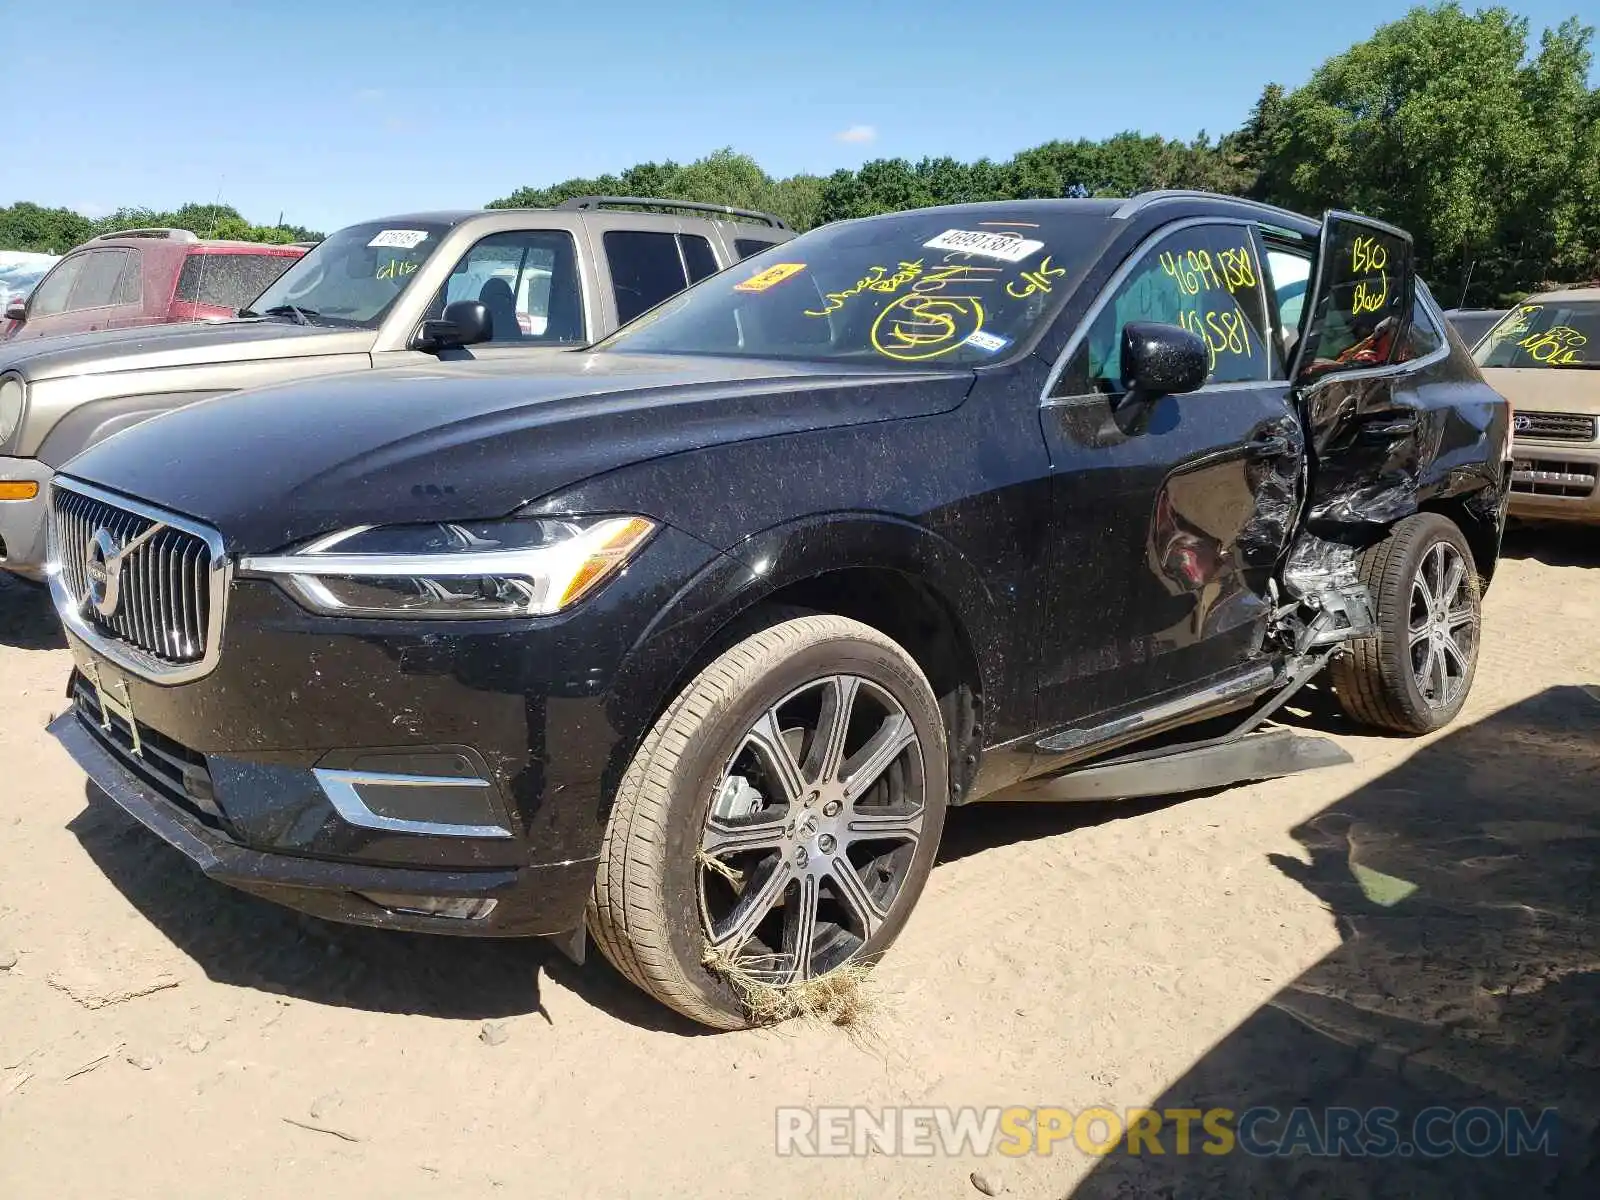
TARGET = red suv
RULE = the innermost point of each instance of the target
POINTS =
(146, 277)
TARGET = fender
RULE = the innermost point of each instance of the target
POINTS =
(655, 666)
(84, 426)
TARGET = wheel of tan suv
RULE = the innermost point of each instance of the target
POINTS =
(777, 824)
(1414, 676)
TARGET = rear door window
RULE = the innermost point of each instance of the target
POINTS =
(646, 268)
(231, 281)
(528, 280)
(50, 297)
(697, 257)
(130, 288)
(96, 286)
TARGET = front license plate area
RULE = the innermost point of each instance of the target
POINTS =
(112, 697)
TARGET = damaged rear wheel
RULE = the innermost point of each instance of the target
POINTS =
(1414, 675)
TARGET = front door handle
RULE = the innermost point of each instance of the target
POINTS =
(1268, 446)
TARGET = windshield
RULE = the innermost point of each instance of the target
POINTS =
(1544, 333)
(353, 277)
(918, 289)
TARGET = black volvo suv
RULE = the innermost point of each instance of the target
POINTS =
(690, 638)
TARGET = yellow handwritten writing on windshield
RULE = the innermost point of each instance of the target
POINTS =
(1238, 268)
(877, 279)
(396, 268)
(1368, 255)
(940, 279)
(1041, 279)
(1223, 332)
(1195, 271)
(1558, 346)
(913, 328)
(1370, 296)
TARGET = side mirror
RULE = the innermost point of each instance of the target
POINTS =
(464, 323)
(17, 310)
(1162, 360)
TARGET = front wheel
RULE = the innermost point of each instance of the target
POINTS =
(778, 822)
(1414, 675)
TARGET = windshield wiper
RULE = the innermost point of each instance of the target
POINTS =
(302, 316)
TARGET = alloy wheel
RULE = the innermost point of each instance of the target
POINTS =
(1443, 625)
(812, 829)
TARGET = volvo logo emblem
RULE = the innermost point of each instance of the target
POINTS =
(102, 569)
(1521, 421)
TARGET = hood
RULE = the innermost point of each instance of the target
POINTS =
(1547, 389)
(182, 345)
(463, 441)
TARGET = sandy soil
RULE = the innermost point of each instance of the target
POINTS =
(160, 1035)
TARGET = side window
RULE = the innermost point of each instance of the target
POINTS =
(646, 268)
(50, 297)
(1424, 336)
(528, 280)
(697, 256)
(130, 288)
(745, 247)
(97, 282)
(1291, 276)
(1205, 279)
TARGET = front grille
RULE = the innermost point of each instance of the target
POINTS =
(1547, 477)
(164, 601)
(1561, 427)
(176, 772)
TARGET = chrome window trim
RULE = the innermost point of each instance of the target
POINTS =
(340, 788)
(113, 650)
(1116, 281)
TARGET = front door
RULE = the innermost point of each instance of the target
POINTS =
(1167, 528)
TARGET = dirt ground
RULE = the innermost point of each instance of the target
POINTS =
(1415, 928)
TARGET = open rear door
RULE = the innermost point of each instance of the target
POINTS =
(1360, 301)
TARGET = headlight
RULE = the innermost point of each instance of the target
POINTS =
(512, 568)
(12, 393)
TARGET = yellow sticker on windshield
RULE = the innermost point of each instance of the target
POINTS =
(771, 277)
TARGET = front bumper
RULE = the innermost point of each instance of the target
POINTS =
(277, 769)
(530, 900)
(1555, 481)
(23, 522)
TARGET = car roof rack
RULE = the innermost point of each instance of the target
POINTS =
(170, 235)
(1143, 200)
(749, 214)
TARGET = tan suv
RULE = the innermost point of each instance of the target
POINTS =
(396, 292)
(1544, 357)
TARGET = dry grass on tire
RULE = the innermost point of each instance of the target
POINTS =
(842, 997)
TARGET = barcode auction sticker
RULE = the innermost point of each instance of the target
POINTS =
(400, 239)
(1003, 246)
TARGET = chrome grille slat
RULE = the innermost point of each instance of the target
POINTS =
(1555, 426)
(162, 625)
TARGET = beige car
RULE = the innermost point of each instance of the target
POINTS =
(1544, 357)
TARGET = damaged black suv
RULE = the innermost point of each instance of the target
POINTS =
(690, 638)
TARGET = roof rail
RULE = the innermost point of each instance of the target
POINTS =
(749, 214)
(171, 235)
(1143, 200)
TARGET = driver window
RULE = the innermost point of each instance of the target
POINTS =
(528, 280)
(1206, 279)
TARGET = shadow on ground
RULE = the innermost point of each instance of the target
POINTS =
(1554, 545)
(27, 620)
(244, 941)
(1464, 884)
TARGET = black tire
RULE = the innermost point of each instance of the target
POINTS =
(1380, 680)
(651, 910)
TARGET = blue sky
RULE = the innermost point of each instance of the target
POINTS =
(348, 109)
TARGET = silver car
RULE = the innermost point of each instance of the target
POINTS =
(394, 292)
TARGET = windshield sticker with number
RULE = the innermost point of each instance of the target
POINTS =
(399, 239)
(772, 276)
(1007, 247)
